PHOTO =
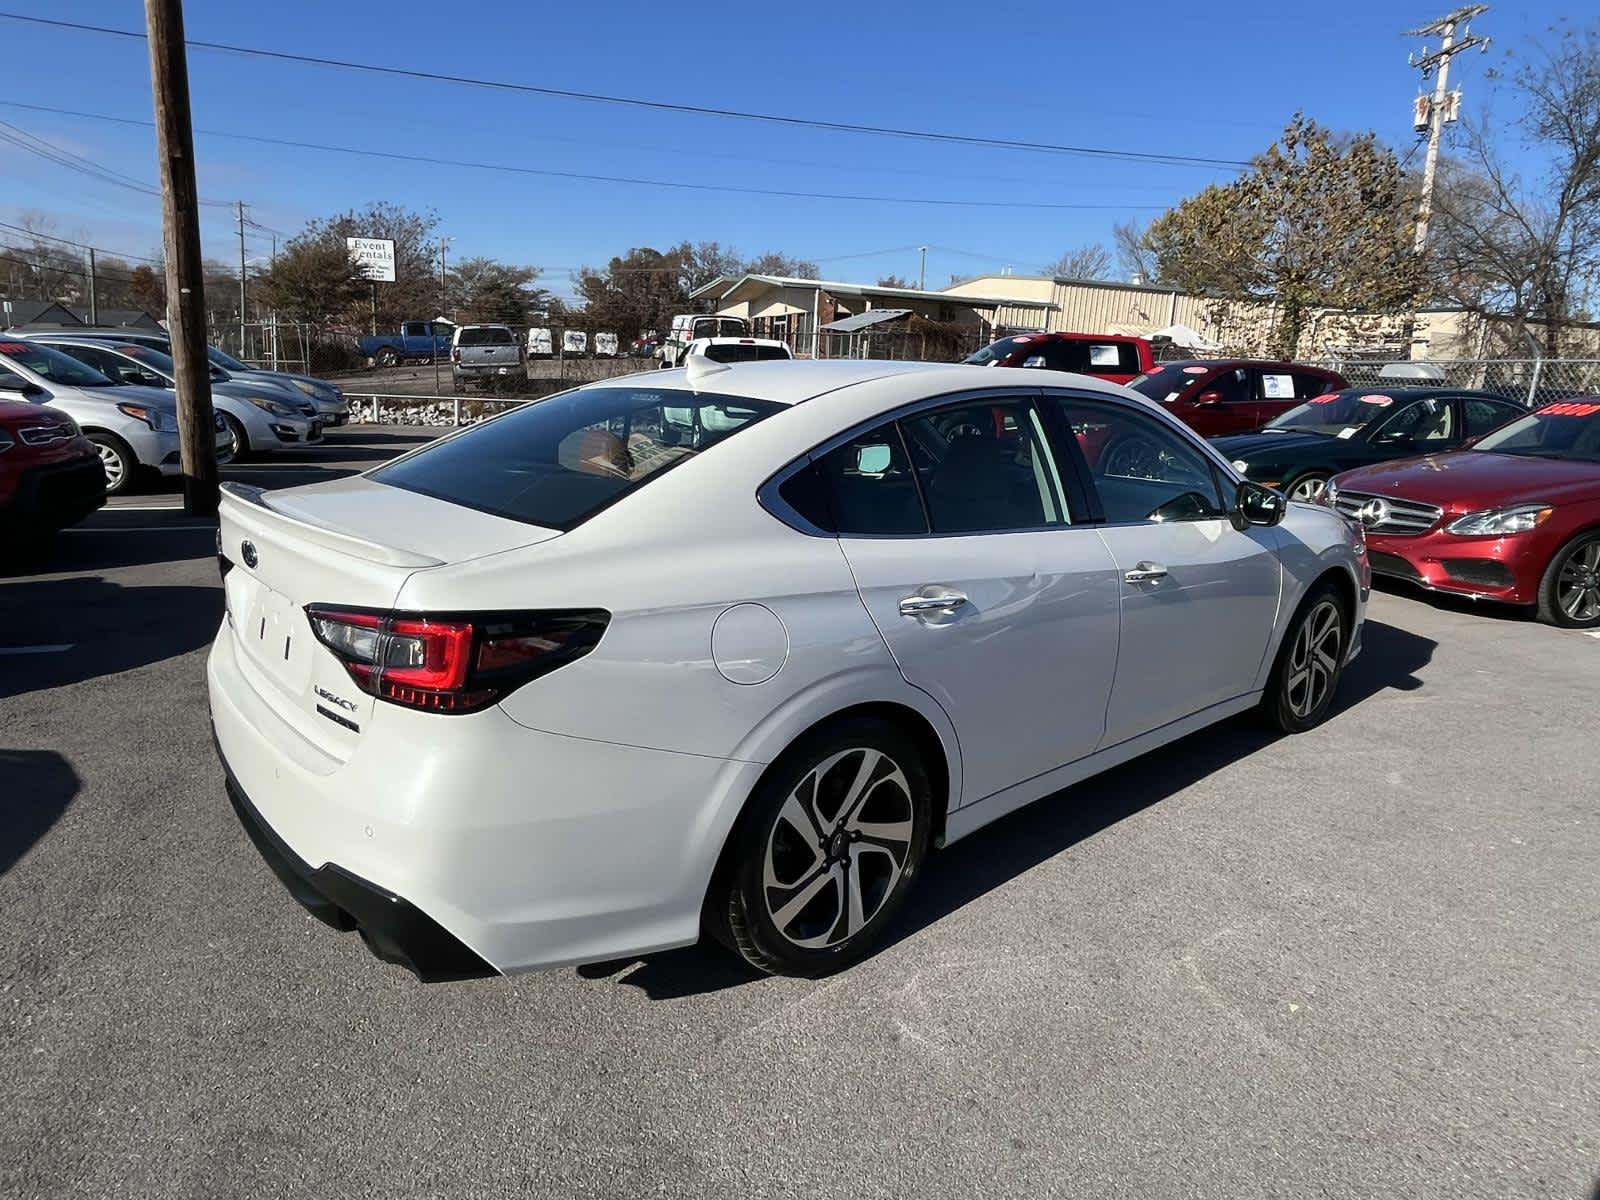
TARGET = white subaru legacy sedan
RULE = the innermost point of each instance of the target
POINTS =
(729, 650)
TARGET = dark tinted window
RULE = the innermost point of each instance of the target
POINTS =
(486, 335)
(1086, 356)
(54, 363)
(805, 492)
(1004, 348)
(735, 353)
(559, 461)
(1427, 424)
(1307, 385)
(1142, 470)
(983, 466)
(870, 486)
(1484, 415)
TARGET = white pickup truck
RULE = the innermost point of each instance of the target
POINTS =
(489, 355)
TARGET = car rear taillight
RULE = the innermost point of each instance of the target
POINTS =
(455, 662)
(455, 354)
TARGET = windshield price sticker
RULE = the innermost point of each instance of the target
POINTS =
(1330, 398)
(1195, 370)
(1378, 401)
(1349, 432)
(13, 347)
(1564, 409)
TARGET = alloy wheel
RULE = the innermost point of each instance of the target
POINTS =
(116, 469)
(838, 848)
(1314, 659)
(1578, 584)
(1310, 489)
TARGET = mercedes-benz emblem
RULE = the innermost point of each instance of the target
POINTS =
(1374, 512)
(247, 550)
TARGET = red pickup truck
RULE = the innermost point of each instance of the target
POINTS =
(50, 474)
(1116, 358)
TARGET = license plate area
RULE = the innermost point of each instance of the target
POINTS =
(274, 633)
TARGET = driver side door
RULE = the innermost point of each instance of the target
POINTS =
(1198, 598)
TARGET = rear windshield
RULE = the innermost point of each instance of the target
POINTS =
(559, 461)
(706, 327)
(996, 351)
(731, 354)
(485, 335)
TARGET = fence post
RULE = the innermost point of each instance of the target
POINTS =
(455, 411)
(1533, 385)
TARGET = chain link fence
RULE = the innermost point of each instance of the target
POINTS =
(1530, 381)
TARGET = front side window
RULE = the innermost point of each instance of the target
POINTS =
(1142, 470)
(1232, 386)
(559, 461)
(1425, 423)
(1485, 415)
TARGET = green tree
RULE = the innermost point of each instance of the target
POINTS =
(1317, 222)
(314, 280)
(147, 289)
(314, 269)
(483, 290)
(641, 290)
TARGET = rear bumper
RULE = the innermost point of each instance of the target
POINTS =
(475, 369)
(393, 928)
(1505, 569)
(57, 495)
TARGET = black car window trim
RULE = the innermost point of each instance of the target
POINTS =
(1224, 478)
(767, 495)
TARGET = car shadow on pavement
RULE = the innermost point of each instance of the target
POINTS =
(106, 544)
(62, 631)
(1450, 602)
(39, 784)
(1390, 660)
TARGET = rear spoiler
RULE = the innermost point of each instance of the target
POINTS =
(250, 505)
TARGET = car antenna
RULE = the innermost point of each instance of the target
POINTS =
(700, 367)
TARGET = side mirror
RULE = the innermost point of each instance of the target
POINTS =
(1254, 504)
(872, 460)
(20, 387)
(1207, 399)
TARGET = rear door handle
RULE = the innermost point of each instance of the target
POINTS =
(1146, 572)
(916, 606)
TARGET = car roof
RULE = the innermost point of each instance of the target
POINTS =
(1422, 393)
(737, 341)
(1212, 363)
(791, 381)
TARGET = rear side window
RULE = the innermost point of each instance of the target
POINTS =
(559, 461)
(487, 335)
(870, 487)
(1484, 415)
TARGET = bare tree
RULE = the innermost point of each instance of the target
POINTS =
(1528, 249)
(1135, 259)
(1085, 262)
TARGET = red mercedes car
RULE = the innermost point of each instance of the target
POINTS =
(1515, 518)
(50, 474)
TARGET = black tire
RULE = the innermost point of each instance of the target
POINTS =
(1569, 593)
(122, 467)
(388, 357)
(241, 439)
(1312, 481)
(740, 906)
(1292, 701)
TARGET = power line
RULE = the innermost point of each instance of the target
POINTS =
(509, 168)
(50, 237)
(33, 144)
(1180, 160)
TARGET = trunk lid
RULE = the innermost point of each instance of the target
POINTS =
(349, 543)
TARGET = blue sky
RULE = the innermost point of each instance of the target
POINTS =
(1216, 80)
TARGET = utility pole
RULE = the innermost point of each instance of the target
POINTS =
(239, 207)
(1432, 112)
(444, 249)
(922, 273)
(180, 238)
(272, 315)
(94, 292)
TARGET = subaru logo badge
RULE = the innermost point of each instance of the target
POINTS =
(247, 550)
(1373, 513)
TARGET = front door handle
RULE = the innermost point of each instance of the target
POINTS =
(1146, 572)
(916, 606)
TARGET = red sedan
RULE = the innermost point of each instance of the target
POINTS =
(1233, 395)
(1515, 518)
(50, 474)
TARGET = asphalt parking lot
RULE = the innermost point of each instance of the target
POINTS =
(1362, 962)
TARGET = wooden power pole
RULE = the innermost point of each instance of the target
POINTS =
(1435, 111)
(180, 238)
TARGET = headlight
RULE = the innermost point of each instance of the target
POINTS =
(158, 419)
(271, 406)
(1498, 522)
(1240, 466)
